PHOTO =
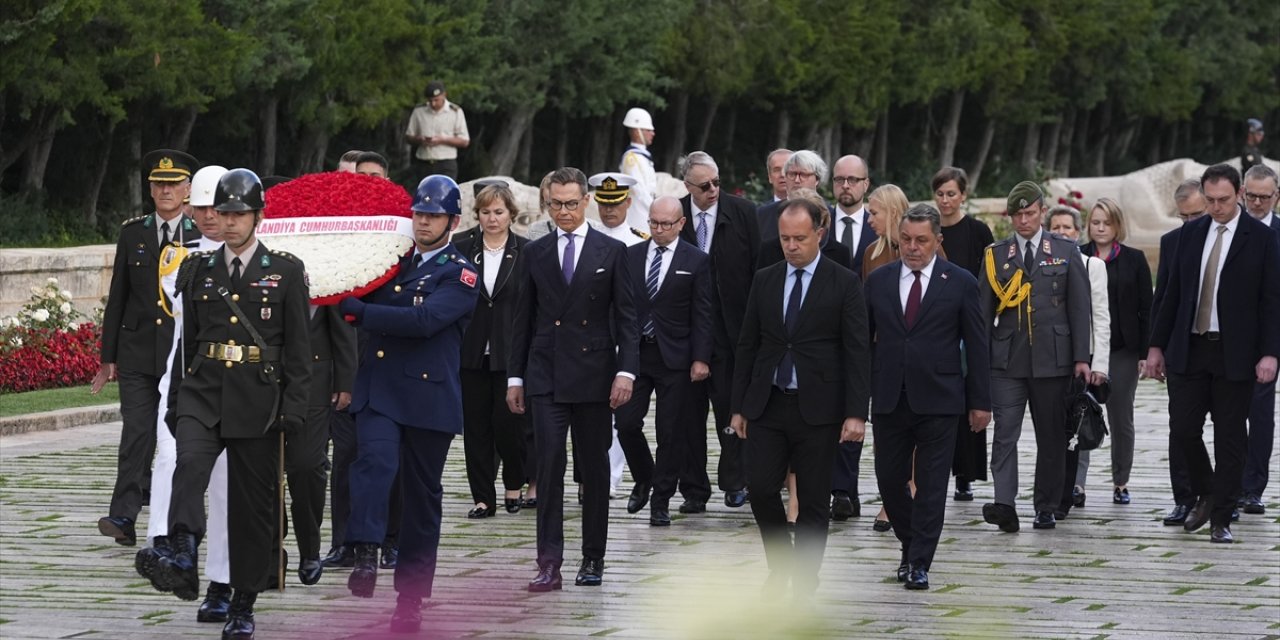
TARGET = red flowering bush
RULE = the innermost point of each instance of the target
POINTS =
(337, 193)
(36, 358)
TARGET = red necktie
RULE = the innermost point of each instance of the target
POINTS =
(913, 301)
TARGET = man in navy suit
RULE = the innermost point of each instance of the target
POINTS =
(574, 356)
(414, 326)
(1260, 195)
(724, 227)
(801, 386)
(672, 281)
(1190, 204)
(920, 309)
(1214, 334)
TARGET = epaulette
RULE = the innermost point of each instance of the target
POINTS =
(134, 220)
(640, 234)
(187, 270)
(453, 106)
(286, 255)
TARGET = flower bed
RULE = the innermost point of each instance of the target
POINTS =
(45, 345)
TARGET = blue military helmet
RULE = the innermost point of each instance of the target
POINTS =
(438, 194)
(238, 190)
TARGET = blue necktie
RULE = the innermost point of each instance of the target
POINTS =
(702, 231)
(651, 283)
(789, 321)
(567, 265)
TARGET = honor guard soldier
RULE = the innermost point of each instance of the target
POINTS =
(1035, 301)
(638, 163)
(137, 332)
(1252, 155)
(414, 325)
(247, 356)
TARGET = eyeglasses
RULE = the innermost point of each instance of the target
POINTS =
(659, 224)
(1259, 197)
(849, 180)
(796, 175)
(556, 205)
(714, 183)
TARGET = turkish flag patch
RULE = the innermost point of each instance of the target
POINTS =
(468, 277)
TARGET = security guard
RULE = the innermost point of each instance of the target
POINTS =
(137, 332)
(248, 366)
(1252, 155)
(638, 163)
(1035, 300)
(408, 399)
(439, 129)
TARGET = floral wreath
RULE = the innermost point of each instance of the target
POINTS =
(348, 229)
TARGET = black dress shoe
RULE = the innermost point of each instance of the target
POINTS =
(147, 561)
(309, 570)
(1077, 497)
(339, 557)
(407, 617)
(590, 572)
(1221, 535)
(881, 525)
(1059, 515)
(1177, 516)
(548, 579)
(843, 507)
(216, 605)
(240, 617)
(904, 570)
(918, 580)
(1199, 515)
(512, 505)
(529, 503)
(1121, 496)
(180, 572)
(364, 575)
(964, 490)
(479, 513)
(693, 506)
(1001, 515)
(390, 555)
(1044, 520)
(659, 516)
(119, 528)
(735, 499)
(639, 497)
(1253, 505)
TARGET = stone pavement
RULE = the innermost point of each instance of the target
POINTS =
(1109, 571)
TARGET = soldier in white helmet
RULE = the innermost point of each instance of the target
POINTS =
(638, 163)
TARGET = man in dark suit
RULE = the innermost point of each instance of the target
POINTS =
(414, 326)
(801, 387)
(1260, 195)
(574, 357)
(774, 162)
(1213, 333)
(803, 170)
(247, 356)
(1190, 204)
(137, 331)
(724, 227)
(1035, 301)
(672, 281)
(920, 309)
(850, 224)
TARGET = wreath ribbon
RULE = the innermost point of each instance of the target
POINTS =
(1014, 294)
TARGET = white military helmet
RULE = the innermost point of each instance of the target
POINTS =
(638, 118)
(204, 183)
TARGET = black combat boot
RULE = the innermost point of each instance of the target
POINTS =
(180, 572)
(364, 576)
(216, 605)
(240, 623)
(147, 561)
(408, 614)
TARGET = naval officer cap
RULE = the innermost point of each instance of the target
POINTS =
(611, 188)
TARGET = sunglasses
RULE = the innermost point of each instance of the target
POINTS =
(706, 186)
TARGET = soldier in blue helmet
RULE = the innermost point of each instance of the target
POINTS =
(407, 399)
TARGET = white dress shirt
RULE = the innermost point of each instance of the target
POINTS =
(906, 278)
(1227, 237)
(854, 219)
(787, 286)
(580, 238)
(666, 261)
(711, 222)
(1035, 247)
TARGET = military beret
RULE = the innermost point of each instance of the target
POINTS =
(434, 88)
(1024, 194)
(481, 185)
(1255, 125)
(611, 188)
(168, 165)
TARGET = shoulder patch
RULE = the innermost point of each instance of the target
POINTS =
(639, 234)
(134, 220)
(468, 277)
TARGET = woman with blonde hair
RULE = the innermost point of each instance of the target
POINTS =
(885, 207)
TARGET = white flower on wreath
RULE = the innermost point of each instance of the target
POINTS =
(65, 307)
(66, 295)
(40, 315)
(52, 281)
(73, 326)
(16, 341)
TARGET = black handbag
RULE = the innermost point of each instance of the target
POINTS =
(1086, 426)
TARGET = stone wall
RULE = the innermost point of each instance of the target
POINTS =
(85, 271)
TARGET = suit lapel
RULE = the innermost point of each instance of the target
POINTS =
(814, 287)
(1237, 243)
(588, 262)
(940, 278)
(508, 262)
